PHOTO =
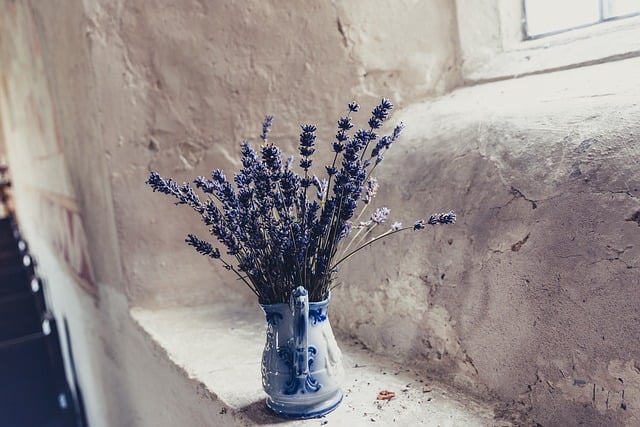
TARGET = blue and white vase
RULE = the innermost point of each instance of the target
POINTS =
(301, 364)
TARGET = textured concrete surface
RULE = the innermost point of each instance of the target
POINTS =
(219, 349)
(181, 87)
(95, 93)
(531, 298)
(532, 295)
(124, 87)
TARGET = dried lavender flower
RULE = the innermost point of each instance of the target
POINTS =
(277, 234)
(371, 189)
(202, 247)
(380, 215)
(266, 127)
(442, 218)
(344, 123)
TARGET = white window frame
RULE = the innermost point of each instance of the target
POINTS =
(492, 46)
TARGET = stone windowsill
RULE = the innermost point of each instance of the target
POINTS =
(220, 347)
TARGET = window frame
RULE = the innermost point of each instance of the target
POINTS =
(493, 47)
(604, 16)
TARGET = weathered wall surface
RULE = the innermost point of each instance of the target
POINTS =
(533, 295)
(94, 94)
(63, 207)
(180, 85)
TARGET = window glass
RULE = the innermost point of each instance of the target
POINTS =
(545, 17)
(551, 16)
(617, 8)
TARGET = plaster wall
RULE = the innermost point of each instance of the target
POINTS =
(532, 296)
(486, 28)
(94, 94)
(181, 85)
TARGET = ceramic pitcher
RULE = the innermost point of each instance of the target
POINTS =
(301, 364)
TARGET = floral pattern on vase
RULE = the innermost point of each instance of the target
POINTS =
(301, 363)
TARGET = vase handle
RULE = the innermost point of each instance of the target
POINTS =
(299, 304)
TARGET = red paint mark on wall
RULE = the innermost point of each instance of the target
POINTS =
(66, 234)
(4, 92)
(33, 140)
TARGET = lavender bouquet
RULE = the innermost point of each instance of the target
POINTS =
(281, 228)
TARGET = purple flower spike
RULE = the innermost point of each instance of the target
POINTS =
(279, 225)
(443, 218)
(202, 246)
(345, 123)
(266, 126)
(307, 141)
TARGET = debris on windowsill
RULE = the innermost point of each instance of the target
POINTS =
(386, 395)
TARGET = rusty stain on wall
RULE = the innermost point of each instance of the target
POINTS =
(66, 234)
(44, 188)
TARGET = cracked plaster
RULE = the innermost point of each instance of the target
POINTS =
(540, 271)
(531, 297)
